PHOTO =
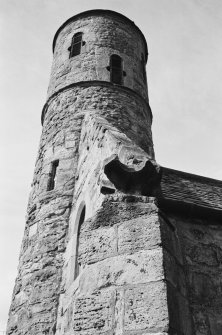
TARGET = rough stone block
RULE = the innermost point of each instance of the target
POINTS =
(33, 229)
(63, 178)
(97, 244)
(179, 312)
(174, 272)
(70, 144)
(119, 312)
(66, 164)
(146, 308)
(201, 320)
(139, 234)
(94, 313)
(205, 286)
(141, 267)
(170, 238)
(120, 208)
(215, 320)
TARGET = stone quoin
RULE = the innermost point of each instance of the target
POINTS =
(114, 244)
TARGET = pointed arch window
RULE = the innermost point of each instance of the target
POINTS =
(81, 219)
(76, 45)
(116, 69)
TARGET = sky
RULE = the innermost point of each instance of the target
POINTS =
(184, 74)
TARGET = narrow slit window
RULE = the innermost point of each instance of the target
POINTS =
(52, 175)
(77, 264)
(116, 71)
(143, 66)
(76, 45)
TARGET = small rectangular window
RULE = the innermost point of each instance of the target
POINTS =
(52, 175)
(116, 72)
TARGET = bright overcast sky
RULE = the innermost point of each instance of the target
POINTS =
(184, 78)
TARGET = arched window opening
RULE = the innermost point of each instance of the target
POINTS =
(116, 71)
(81, 220)
(76, 45)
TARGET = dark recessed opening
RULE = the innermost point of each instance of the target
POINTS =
(76, 45)
(107, 190)
(143, 62)
(52, 175)
(81, 220)
(116, 71)
(130, 181)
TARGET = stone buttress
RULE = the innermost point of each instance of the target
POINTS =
(103, 251)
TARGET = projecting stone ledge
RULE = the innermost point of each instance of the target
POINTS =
(141, 177)
(173, 189)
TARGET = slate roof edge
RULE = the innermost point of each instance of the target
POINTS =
(175, 198)
(192, 176)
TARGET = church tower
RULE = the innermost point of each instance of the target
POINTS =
(103, 249)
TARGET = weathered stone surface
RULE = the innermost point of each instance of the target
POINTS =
(103, 36)
(201, 246)
(139, 234)
(97, 245)
(80, 94)
(117, 208)
(106, 251)
(179, 312)
(142, 267)
(123, 110)
(94, 313)
(146, 308)
(117, 268)
(174, 273)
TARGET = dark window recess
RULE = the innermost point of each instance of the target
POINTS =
(116, 71)
(76, 45)
(143, 66)
(81, 220)
(52, 175)
(107, 190)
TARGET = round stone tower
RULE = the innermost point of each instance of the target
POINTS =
(99, 64)
(77, 271)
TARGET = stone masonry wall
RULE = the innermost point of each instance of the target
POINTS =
(35, 297)
(121, 288)
(103, 36)
(192, 249)
(38, 285)
(201, 242)
(142, 271)
(122, 108)
(89, 295)
(180, 320)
